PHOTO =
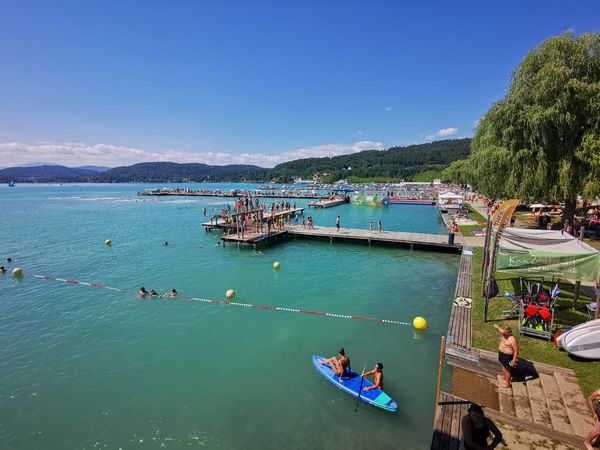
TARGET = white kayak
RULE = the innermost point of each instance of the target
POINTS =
(582, 341)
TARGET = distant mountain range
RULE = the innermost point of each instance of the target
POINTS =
(423, 161)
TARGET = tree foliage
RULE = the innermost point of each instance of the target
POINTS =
(394, 163)
(542, 141)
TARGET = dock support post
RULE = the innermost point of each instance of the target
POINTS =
(439, 383)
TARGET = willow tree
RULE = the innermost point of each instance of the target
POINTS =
(542, 141)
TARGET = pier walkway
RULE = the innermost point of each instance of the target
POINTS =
(395, 238)
(233, 194)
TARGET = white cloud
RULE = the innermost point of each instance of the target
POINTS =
(79, 154)
(444, 132)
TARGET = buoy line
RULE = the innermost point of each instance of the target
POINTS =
(226, 302)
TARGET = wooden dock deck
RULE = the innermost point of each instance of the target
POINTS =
(391, 238)
(447, 429)
(329, 203)
(235, 194)
(459, 337)
(252, 237)
(219, 222)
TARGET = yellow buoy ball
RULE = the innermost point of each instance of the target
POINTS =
(276, 265)
(108, 242)
(420, 323)
(17, 272)
(230, 293)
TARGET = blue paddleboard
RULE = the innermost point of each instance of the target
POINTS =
(351, 385)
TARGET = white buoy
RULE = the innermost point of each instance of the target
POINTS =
(276, 265)
(17, 272)
(230, 293)
(108, 242)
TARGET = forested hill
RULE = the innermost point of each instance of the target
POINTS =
(163, 172)
(394, 163)
(417, 162)
(153, 172)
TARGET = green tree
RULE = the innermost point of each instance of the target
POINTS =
(542, 141)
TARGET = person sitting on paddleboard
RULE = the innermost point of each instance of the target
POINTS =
(378, 372)
(339, 366)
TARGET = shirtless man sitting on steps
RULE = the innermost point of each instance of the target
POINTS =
(338, 366)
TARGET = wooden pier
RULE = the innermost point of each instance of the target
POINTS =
(447, 428)
(219, 222)
(458, 339)
(329, 203)
(389, 238)
(232, 194)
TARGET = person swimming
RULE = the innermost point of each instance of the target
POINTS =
(143, 292)
(378, 372)
(2, 269)
(166, 243)
(8, 260)
(338, 366)
(173, 293)
(153, 293)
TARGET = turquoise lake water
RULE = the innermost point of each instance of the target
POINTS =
(88, 368)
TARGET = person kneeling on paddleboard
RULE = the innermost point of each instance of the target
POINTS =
(339, 366)
(378, 372)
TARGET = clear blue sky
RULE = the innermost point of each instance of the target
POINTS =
(201, 77)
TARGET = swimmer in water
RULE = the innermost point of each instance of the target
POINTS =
(173, 293)
(153, 293)
(166, 243)
(8, 260)
(143, 292)
(2, 269)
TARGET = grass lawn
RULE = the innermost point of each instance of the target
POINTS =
(473, 215)
(486, 337)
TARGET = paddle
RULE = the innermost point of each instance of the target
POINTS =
(360, 389)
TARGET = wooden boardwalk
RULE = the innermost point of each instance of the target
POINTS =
(459, 328)
(393, 238)
(252, 237)
(447, 430)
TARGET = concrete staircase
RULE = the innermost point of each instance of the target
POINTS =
(553, 403)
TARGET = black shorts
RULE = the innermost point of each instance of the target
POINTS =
(505, 359)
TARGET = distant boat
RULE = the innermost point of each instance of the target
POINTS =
(11, 183)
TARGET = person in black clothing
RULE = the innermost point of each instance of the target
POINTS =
(476, 430)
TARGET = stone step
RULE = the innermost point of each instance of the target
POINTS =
(505, 396)
(537, 400)
(558, 414)
(522, 407)
(577, 410)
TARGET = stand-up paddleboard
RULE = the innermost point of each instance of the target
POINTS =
(351, 384)
(582, 341)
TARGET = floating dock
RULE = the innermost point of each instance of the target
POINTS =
(390, 238)
(329, 203)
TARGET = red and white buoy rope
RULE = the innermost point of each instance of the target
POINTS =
(226, 302)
